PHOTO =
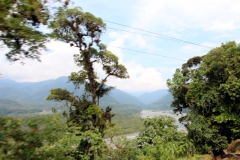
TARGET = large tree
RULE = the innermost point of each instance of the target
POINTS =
(209, 88)
(19, 22)
(83, 30)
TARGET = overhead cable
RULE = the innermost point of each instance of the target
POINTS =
(139, 33)
(169, 37)
(146, 53)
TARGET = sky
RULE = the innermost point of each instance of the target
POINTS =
(203, 22)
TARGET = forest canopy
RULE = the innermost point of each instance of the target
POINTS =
(20, 20)
(209, 88)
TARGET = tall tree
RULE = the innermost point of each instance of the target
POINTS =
(209, 87)
(83, 30)
(19, 20)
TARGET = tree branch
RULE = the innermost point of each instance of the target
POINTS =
(101, 84)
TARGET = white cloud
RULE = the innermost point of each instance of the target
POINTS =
(193, 50)
(116, 35)
(141, 79)
(131, 40)
(216, 15)
(57, 63)
(113, 47)
(221, 25)
(224, 35)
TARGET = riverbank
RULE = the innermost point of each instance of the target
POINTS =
(151, 114)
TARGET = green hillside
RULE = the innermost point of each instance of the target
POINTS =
(162, 104)
(11, 107)
(29, 98)
(35, 93)
(151, 97)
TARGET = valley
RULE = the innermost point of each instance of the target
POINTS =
(31, 97)
(28, 99)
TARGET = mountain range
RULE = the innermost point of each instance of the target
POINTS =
(162, 103)
(32, 95)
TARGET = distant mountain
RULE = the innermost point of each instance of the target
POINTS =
(163, 103)
(150, 97)
(7, 102)
(34, 94)
(13, 94)
(11, 83)
(125, 98)
(135, 94)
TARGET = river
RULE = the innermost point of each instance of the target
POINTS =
(151, 114)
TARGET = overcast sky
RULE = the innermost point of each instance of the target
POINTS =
(205, 22)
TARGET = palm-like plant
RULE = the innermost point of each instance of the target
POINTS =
(104, 90)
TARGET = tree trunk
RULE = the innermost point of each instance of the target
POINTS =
(98, 100)
(90, 70)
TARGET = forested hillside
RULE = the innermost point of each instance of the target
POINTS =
(11, 107)
(36, 92)
(162, 103)
(150, 97)
(29, 98)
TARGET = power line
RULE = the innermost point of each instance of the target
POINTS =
(147, 53)
(144, 52)
(169, 37)
(139, 33)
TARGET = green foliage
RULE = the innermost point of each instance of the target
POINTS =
(127, 117)
(80, 111)
(72, 25)
(94, 109)
(161, 140)
(19, 20)
(30, 138)
(129, 123)
(209, 87)
(104, 90)
(88, 121)
(91, 146)
(59, 94)
(78, 78)
(84, 119)
(124, 149)
(205, 136)
(10, 107)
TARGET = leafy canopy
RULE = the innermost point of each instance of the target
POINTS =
(209, 88)
(19, 22)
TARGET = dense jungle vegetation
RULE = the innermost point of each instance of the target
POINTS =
(207, 87)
